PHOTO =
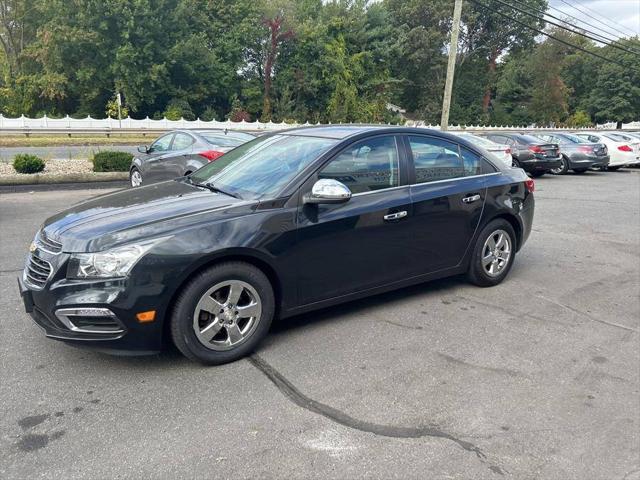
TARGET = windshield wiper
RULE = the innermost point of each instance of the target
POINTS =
(212, 188)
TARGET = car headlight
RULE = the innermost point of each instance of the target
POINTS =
(114, 263)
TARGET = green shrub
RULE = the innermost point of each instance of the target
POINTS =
(25, 163)
(110, 161)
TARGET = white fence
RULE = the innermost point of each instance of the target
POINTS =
(33, 125)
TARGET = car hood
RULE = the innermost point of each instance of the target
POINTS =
(137, 213)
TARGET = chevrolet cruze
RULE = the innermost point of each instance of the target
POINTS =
(284, 224)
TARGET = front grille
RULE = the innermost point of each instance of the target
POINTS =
(37, 271)
(96, 324)
(48, 244)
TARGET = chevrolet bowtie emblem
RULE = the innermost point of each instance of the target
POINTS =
(32, 247)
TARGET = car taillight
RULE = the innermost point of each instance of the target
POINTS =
(535, 149)
(625, 148)
(585, 149)
(530, 185)
(211, 155)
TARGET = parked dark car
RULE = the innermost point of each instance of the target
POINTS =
(180, 153)
(533, 155)
(287, 223)
(578, 154)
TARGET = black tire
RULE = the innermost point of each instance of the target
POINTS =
(477, 273)
(135, 173)
(537, 174)
(182, 317)
(562, 169)
(515, 163)
(613, 169)
(580, 170)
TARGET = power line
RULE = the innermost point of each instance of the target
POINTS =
(576, 47)
(610, 31)
(567, 29)
(608, 39)
(591, 16)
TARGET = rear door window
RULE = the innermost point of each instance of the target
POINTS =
(436, 159)
(181, 141)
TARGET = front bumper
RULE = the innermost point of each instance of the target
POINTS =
(97, 314)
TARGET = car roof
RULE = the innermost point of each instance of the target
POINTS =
(337, 132)
(341, 132)
(202, 131)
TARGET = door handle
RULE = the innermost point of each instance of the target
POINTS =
(395, 216)
(471, 198)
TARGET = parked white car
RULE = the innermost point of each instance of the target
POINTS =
(502, 151)
(623, 149)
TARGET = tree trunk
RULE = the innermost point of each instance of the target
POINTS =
(486, 100)
(274, 30)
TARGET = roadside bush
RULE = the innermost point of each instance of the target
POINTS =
(25, 163)
(110, 161)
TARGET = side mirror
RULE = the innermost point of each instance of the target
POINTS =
(143, 149)
(327, 190)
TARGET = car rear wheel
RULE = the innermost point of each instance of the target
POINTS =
(562, 169)
(493, 254)
(223, 313)
(135, 177)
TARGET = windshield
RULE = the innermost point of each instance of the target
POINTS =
(572, 138)
(527, 139)
(262, 167)
(618, 137)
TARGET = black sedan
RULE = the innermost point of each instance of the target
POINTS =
(578, 154)
(530, 153)
(180, 153)
(287, 223)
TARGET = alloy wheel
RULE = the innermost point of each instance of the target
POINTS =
(561, 169)
(496, 253)
(226, 315)
(136, 178)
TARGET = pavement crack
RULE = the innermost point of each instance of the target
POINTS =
(586, 315)
(297, 397)
(504, 371)
(401, 325)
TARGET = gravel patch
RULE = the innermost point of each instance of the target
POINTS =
(60, 166)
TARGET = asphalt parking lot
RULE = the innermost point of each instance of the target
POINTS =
(535, 378)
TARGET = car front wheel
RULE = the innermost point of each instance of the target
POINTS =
(135, 177)
(493, 254)
(223, 313)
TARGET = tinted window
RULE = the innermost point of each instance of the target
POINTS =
(472, 162)
(368, 165)
(262, 167)
(435, 159)
(162, 144)
(181, 141)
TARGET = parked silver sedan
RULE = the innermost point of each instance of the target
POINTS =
(180, 153)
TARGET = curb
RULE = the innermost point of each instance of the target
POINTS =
(49, 187)
(61, 178)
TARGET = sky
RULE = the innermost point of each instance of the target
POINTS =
(619, 16)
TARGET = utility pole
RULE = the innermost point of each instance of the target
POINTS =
(451, 66)
(119, 101)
